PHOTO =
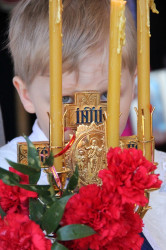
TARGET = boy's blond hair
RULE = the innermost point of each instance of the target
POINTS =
(85, 29)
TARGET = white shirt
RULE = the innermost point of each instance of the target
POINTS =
(9, 151)
(154, 220)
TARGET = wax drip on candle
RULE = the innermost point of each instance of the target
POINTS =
(122, 35)
(148, 16)
(150, 4)
(153, 7)
(58, 17)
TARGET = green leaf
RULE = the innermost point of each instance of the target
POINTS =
(8, 177)
(47, 200)
(33, 173)
(73, 232)
(63, 201)
(2, 213)
(51, 218)
(49, 162)
(36, 210)
(40, 189)
(58, 246)
(73, 182)
(53, 215)
(33, 157)
(13, 179)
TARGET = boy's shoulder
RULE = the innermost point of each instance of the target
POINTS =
(154, 227)
(160, 157)
(9, 151)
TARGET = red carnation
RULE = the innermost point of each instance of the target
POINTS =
(129, 173)
(19, 232)
(114, 223)
(14, 199)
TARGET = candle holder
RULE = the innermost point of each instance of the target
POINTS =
(142, 210)
(87, 117)
(43, 149)
(142, 141)
(63, 175)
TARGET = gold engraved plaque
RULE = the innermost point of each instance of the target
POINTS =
(89, 148)
(87, 118)
(22, 151)
(86, 109)
(88, 153)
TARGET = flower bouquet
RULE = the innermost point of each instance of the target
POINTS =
(93, 217)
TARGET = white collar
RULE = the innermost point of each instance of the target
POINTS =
(37, 133)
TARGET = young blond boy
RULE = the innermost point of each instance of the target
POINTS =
(85, 60)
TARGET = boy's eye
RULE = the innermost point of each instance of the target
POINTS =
(104, 97)
(67, 99)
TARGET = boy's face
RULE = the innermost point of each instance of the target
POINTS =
(93, 75)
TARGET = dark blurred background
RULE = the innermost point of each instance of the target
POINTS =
(16, 121)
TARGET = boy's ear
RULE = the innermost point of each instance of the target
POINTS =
(22, 90)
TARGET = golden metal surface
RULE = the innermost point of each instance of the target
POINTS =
(62, 176)
(142, 143)
(22, 151)
(86, 109)
(88, 153)
(87, 117)
(90, 143)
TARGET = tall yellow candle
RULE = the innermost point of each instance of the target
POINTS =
(117, 39)
(143, 55)
(56, 131)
